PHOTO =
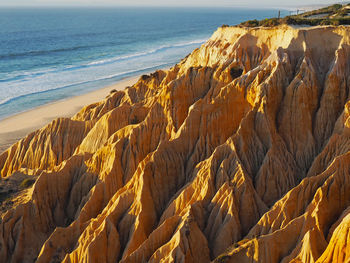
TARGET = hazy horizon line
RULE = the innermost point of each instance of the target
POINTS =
(286, 7)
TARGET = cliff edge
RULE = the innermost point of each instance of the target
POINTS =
(239, 153)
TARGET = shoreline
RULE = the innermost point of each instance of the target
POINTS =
(16, 127)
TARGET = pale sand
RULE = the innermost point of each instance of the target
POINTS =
(18, 126)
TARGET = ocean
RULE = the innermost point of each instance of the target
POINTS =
(52, 54)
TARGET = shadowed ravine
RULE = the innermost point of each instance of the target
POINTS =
(239, 153)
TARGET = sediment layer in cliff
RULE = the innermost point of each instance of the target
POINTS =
(239, 153)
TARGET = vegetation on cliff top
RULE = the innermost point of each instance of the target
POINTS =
(336, 14)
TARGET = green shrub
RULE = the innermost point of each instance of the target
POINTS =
(251, 23)
(270, 22)
(336, 7)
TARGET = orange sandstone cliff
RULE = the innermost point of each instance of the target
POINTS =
(239, 153)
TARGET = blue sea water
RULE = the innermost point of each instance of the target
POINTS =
(52, 54)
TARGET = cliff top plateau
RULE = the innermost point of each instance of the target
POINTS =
(336, 14)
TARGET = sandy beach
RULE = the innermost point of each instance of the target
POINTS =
(18, 126)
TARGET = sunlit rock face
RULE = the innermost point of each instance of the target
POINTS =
(240, 153)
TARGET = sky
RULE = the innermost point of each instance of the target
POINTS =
(199, 3)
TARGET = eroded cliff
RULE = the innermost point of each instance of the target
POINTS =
(239, 153)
